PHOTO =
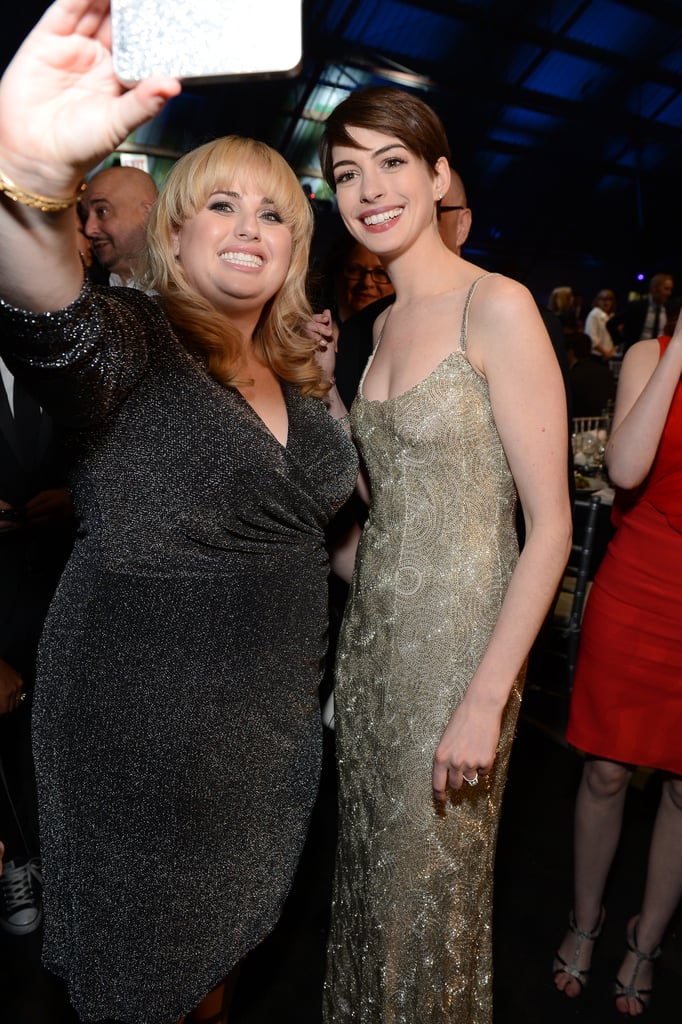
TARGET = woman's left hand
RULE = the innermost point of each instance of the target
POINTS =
(467, 748)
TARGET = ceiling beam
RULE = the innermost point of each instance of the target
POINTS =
(508, 26)
(503, 94)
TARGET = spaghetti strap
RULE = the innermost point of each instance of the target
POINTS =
(462, 335)
(374, 350)
(465, 314)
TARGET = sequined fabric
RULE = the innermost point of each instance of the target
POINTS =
(410, 939)
(177, 727)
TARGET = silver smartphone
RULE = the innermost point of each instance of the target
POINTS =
(204, 41)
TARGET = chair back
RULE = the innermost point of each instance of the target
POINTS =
(588, 424)
(567, 615)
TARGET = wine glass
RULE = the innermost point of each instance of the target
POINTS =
(589, 446)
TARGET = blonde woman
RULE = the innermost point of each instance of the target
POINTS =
(176, 727)
(562, 303)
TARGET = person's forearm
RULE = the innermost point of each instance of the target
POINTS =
(635, 437)
(40, 269)
(335, 404)
(605, 345)
(62, 111)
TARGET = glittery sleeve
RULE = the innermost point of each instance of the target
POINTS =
(82, 361)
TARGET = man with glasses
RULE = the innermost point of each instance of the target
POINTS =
(454, 216)
(364, 281)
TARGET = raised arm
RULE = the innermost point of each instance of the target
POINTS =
(510, 347)
(646, 386)
(62, 110)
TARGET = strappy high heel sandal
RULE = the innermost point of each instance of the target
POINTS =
(642, 995)
(570, 967)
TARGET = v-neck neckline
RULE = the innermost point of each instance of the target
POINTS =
(283, 445)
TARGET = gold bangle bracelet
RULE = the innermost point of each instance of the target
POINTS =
(44, 203)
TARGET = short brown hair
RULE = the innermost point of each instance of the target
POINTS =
(388, 110)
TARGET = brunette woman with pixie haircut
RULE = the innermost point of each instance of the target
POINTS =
(461, 406)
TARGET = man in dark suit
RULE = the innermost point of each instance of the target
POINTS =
(643, 318)
(36, 533)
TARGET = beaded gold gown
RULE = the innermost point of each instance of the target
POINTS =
(410, 936)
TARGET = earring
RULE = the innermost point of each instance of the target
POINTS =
(440, 196)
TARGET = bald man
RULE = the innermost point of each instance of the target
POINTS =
(114, 213)
(454, 216)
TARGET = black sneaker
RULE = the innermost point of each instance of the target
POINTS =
(20, 905)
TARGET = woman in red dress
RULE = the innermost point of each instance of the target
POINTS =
(626, 708)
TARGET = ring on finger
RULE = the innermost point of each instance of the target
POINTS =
(472, 782)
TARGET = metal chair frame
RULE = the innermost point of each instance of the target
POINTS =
(576, 578)
(586, 424)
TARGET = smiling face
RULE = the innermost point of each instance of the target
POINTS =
(231, 225)
(386, 194)
(236, 250)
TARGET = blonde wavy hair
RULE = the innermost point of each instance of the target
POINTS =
(279, 333)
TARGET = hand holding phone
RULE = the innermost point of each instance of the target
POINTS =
(65, 65)
(205, 41)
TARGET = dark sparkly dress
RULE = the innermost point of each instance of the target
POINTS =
(176, 727)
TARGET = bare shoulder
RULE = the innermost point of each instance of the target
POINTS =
(505, 314)
(642, 353)
(639, 362)
(505, 294)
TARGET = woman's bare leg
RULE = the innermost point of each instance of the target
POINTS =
(598, 820)
(661, 894)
